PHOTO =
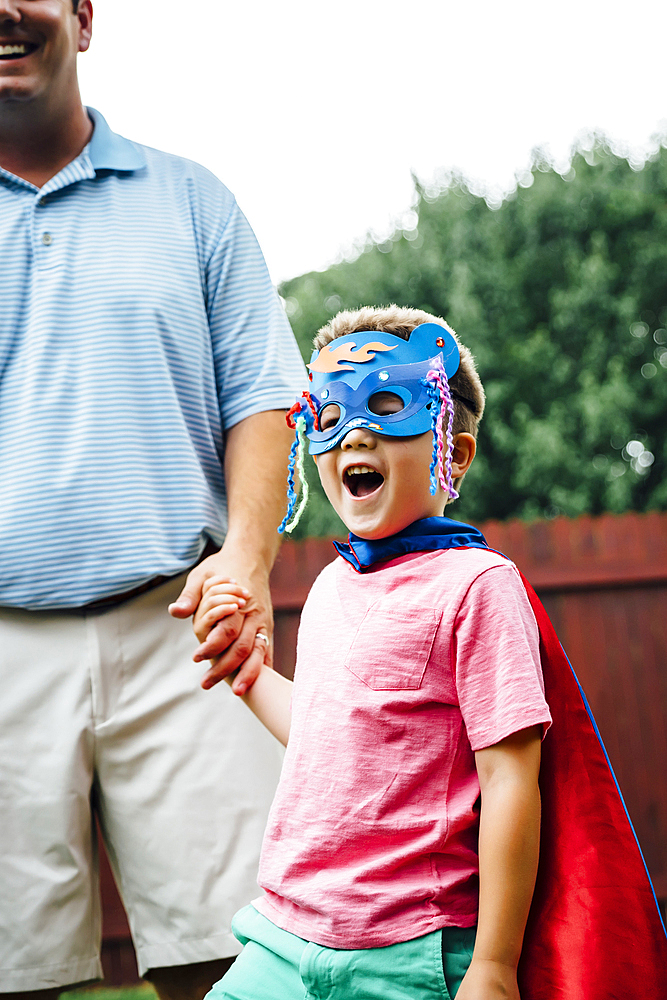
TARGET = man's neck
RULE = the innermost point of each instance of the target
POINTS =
(36, 142)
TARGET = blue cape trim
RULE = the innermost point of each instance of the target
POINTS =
(421, 536)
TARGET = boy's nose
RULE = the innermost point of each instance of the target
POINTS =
(358, 437)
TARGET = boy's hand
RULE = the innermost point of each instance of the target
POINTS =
(221, 597)
(487, 980)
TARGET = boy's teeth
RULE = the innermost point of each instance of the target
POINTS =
(362, 480)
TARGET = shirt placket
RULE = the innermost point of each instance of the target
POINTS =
(48, 234)
(42, 225)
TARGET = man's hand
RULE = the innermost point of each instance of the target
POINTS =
(256, 454)
(228, 618)
(487, 980)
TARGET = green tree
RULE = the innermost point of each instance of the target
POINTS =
(561, 294)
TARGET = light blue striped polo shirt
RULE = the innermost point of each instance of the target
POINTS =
(137, 323)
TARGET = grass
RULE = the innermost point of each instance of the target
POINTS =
(139, 992)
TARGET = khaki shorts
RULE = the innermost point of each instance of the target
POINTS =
(106, 708)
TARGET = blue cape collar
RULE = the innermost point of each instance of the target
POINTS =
(421, 536)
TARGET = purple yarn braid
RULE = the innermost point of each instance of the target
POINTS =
(439, 391)
(435, 420)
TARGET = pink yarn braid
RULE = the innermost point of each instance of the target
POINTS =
(438, 377)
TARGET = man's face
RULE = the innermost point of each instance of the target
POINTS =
(39, 42)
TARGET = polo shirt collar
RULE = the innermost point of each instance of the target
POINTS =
(105, 151)
(109, 151)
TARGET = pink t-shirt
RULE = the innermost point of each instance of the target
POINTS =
(402, 673)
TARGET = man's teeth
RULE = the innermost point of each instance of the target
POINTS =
(13, 50)
(358, 470)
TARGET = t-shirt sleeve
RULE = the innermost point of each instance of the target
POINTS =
(257, 362)
(497, 667)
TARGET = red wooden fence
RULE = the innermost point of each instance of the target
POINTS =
(603, 581)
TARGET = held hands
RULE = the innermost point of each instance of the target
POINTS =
(222, 599)
(229, 620)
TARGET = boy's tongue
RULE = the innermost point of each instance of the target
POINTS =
(362, 484)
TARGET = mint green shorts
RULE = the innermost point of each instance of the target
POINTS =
(275, 965)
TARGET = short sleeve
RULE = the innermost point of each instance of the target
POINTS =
(497, 668)
(257, 362)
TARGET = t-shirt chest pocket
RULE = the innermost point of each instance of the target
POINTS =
(392, 646)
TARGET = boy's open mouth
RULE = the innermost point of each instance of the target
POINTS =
(16, 50)
(361, 480)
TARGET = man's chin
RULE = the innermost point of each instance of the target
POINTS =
(14, 90)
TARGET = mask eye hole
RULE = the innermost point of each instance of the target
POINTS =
(329, 416)
(385, 403)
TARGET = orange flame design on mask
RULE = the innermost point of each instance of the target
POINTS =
(329, 359)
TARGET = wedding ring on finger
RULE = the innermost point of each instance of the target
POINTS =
(263, 636)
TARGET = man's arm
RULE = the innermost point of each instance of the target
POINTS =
(509, 838)
(256, 456)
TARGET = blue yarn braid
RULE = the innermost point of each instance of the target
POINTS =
(434, 468)
(291, 492)
(297, 452)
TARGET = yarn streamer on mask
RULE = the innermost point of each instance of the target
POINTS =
(440, 470)
(296, 461)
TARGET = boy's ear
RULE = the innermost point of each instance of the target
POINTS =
(463, 453)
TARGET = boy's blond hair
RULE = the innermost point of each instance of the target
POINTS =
(465, 386)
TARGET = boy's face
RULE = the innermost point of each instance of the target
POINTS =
(380, 485)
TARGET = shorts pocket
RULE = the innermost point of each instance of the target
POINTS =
(457, 948)
(392, 646)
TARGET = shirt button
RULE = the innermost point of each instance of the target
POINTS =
(47, 239)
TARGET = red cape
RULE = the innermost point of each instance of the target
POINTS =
(594, 931)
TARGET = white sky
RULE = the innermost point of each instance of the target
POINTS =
(315, 114)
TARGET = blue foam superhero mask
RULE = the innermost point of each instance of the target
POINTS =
(348, 374)
(351, 370)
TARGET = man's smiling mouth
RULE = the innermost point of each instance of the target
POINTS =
(361, 480)
(16, 50)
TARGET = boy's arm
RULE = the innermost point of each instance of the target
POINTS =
(270, 699)
(509, 838)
